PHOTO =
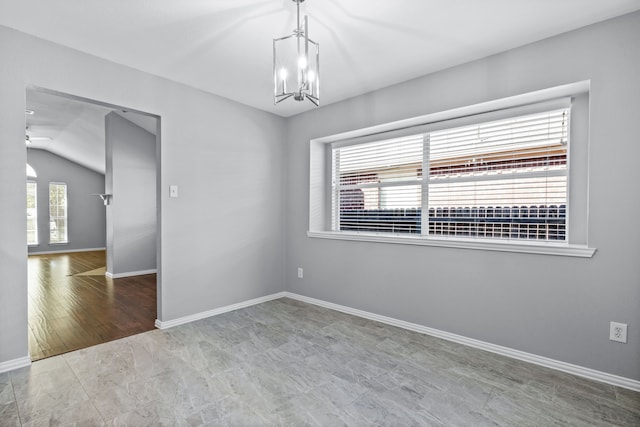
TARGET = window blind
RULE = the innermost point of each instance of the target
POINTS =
(377, 186)
(504, 178)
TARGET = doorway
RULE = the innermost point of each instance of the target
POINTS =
(78, 295)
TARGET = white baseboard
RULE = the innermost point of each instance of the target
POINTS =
(186, 319)
(67, 251)
(580, 371)
(130, 273)
(10, 365)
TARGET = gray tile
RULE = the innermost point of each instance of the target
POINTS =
(126, 397)
(388, 410)
(339, 392)
(232, 321)
(205, 415)
(216, 360)
(285, 362)
(44, 385)
(150, 415)
(337, 364)
(6, 389)
(628, 399)
(113, 401)
(41, 376)
(237, 385)
(454, 410)
(273, 387)
(409, 371)
(299, 347)
(290, 369)
(115, 373)
(311, 409)
(234, 412)
(587, 408)
(513, 408)
(9, 416)
(63, 409)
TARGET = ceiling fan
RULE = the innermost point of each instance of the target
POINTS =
(28, 139)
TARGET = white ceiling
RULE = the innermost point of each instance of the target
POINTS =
(225, 46)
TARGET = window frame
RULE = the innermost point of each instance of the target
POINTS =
(577, 233)
(66, 213)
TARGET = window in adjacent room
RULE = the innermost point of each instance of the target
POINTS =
(31, 172)
(32, 213)
(57, 212)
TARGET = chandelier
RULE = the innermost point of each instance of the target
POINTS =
(296, 65)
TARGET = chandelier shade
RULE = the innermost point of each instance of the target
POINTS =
(296, 64)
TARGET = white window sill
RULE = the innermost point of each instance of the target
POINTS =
(543, 248)
(59, 244)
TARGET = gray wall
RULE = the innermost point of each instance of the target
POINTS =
(86, 213)
(553, 306)
(131, 213)
(222, 240)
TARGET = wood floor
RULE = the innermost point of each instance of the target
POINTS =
(69, 309)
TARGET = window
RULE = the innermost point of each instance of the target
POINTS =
(32, 213)
(504, 179)
(377, 186)
(57, 212)
(490, 176)
(31, 173)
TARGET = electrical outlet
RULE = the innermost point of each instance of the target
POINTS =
(618, 332)
(300, 273)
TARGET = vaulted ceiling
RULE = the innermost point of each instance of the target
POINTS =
(225, 46)
(72, 128)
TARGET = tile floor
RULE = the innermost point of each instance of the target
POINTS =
(289, 363)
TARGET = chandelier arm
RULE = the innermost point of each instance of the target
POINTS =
(315, 101)
(280, 98)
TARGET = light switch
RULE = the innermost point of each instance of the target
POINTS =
(173, 191)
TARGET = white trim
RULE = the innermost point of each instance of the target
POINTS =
(66, 251)
(10, 365)
(580, 371)
(130, 273)
(203, 315)
(541, 248)
(510, 102)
